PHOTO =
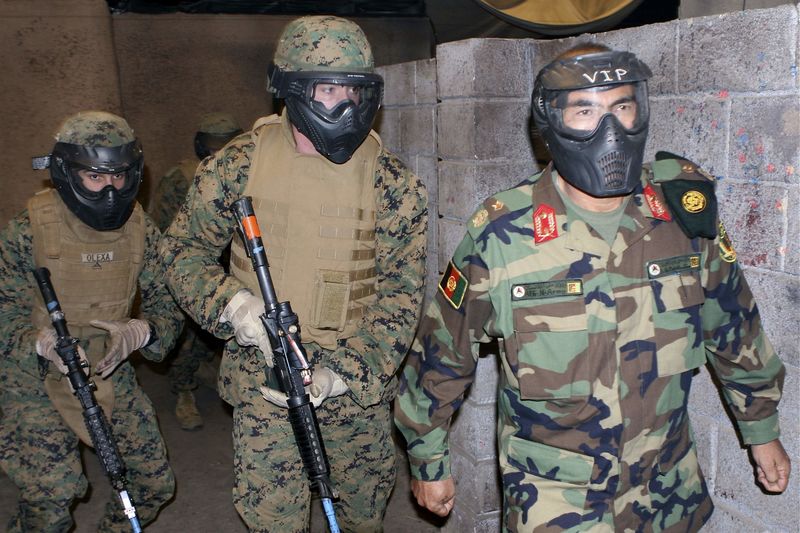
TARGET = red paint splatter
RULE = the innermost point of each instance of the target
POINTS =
(742, 158)
(760, 149)
(770, 168)
(680, 110)
(739, 131)
(714, 124)
(723, 93)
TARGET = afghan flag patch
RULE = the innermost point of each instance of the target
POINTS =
(453, 285)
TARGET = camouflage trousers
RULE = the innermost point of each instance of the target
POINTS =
(271, 490)
(40, 454)
(194, 347)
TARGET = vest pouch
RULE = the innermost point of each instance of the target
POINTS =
(677, 324)
(64, 400)
(330, 300)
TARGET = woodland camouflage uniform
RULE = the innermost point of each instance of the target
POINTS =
(599, 345)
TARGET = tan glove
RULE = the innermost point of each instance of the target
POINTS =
(126, 337)
(46, 347)
(325, 384)
(243, 312)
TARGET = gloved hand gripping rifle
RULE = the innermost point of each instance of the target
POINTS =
(95, 419)
(291, 363)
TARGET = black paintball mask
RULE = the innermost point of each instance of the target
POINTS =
(592, 111)
(335, 133)
(106, 209)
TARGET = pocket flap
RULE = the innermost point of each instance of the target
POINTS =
(549, 462)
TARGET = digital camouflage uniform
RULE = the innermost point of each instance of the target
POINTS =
(195, 346)
(271, 491)
(599, 345)
(38, 451)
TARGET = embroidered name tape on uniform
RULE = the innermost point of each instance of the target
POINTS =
(673, 265)
(453, 285)
(547, 289)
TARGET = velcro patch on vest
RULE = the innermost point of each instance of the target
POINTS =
(97, 258)
(453, 285)
(547, 289)
(673, 265)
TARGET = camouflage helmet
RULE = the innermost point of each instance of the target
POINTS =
(218, 124)
(213, 132)
(323, 43)
(95, 128)
(100, 143)
(325, 50)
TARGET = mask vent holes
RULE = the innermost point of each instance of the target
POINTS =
(613, 165)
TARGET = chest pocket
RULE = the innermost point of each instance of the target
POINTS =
(677, 302)
(547, 352)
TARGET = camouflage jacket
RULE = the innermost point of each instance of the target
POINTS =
(599, 344)
(171, 192)
(17, 286)
(368, 361)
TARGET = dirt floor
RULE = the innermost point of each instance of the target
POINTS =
(202, 461)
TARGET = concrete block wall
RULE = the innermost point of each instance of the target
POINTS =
(725, 94)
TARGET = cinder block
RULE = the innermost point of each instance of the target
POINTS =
(484, 130)
(473, 431)
(725, 520)
(755, 216)
(463, 186)
(464, 520)
(387, 125)
(484, 389)
(764, 138)
(417, 129)
(702, 8)
(694, 128)
(425, 85)
(450, 234)
(483, 67)
(705, 436)
(398, 84)
(705, 400)
(736, 487)
(425, 166)
(477, 482)
(778, 298)
(741, 51)
(791, 259)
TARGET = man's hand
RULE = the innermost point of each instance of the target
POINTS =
(244, 314)
(324, 384)
(436, 496)
(772, 465)
(127, 336)
(46, 347)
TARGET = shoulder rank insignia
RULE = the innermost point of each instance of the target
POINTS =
(480, 218)
(656, 207)
(453, 285)
(726, 251)
(544, 224)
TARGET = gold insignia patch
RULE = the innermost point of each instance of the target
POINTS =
(497, 205)
(480, 218)
(693, 201)
(726, 251)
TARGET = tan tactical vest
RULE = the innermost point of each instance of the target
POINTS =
(94, 274)
(317, 221)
